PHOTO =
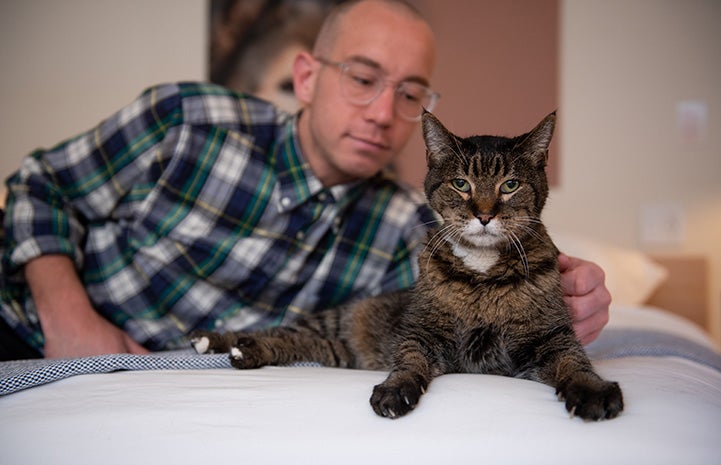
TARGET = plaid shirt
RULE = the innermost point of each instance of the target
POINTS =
(193, 207)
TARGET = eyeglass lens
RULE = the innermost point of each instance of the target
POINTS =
(361, 84)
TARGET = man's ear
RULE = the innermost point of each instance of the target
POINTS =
(304, 75)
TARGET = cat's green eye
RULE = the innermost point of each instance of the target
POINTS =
(461, 185)
(510, 186)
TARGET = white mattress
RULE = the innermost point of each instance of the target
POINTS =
(322, 416)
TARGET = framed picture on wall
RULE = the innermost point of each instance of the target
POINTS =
(253, 43)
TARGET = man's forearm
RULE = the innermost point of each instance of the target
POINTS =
(59, 295)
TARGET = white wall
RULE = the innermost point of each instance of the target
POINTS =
(625, 64)
(67, 64)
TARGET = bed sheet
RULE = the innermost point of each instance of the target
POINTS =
(321, 415)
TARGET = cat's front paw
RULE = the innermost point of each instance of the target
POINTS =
(393, 400)
(246, 352)
(208, 342)
(592, 401)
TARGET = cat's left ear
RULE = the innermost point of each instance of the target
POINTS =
(536, 142)
(437, 138)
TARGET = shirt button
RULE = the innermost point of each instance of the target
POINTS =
(322, 196)
(218, 323)
(285, 201)
(300, 235)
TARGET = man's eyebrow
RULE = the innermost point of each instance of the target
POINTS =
(374, 64)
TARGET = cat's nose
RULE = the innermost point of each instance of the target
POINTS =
(485, 218)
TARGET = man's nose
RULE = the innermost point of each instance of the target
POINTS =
(382, 109)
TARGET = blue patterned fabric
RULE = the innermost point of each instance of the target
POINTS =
(194, 208)
(618, 343)
(22, 374)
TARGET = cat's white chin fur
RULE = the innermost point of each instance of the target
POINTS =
(479, 259)
(479, 253)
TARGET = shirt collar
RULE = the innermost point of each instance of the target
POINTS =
(298, 184)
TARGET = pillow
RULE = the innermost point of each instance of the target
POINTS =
(631, 276)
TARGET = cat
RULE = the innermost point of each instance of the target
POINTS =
(487, 300)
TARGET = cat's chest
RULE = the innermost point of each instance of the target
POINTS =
(483, 349)
(478, 260)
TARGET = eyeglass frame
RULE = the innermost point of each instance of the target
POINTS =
(344, 66)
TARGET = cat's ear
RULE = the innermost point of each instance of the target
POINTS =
(535, 143)
(437, 138)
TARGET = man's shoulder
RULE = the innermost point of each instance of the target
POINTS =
(405, 203)
(204, 103)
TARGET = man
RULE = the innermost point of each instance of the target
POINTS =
(196, 208)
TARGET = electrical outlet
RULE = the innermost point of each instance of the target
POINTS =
(663, 224)
(692, 121)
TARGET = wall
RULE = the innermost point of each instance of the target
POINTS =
(624, 66)
(67, 64)
(496, 71)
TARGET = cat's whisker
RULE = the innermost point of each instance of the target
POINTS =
(427, 223)
(529, 219)
(439, 235)
(530, 231)
(525, 223)
(438, 238)
(521, 251)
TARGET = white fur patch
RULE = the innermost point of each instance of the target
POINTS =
(478, 259)
(236, 353)
(201, 344)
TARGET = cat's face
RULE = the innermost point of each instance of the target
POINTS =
(489, 190)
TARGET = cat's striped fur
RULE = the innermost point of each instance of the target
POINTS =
(487, 300)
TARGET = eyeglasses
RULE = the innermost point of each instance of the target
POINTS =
(361, 84)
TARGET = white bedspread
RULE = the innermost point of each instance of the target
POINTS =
(322, 416)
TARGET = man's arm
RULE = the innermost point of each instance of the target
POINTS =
(71, 326)
(53, 197)
(585, 292)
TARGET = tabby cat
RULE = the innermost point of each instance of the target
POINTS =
(488, 298)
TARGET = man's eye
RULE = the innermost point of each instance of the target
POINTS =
(410, 92)
(364, 81)
(411, 97)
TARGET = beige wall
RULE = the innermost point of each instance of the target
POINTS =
(625, 64)
(68, 63)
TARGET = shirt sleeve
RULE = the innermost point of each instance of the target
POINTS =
(56, 193)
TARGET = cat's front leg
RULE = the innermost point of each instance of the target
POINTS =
(210, 342)
(562, 363)
(590, 397)
(245, 350)
(407, 382)
(398, 394)
(249, 351)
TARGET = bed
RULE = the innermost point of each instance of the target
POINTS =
(180, 407)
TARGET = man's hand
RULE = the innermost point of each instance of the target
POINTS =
(585, 293)
(71, 326)
(92, 335)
